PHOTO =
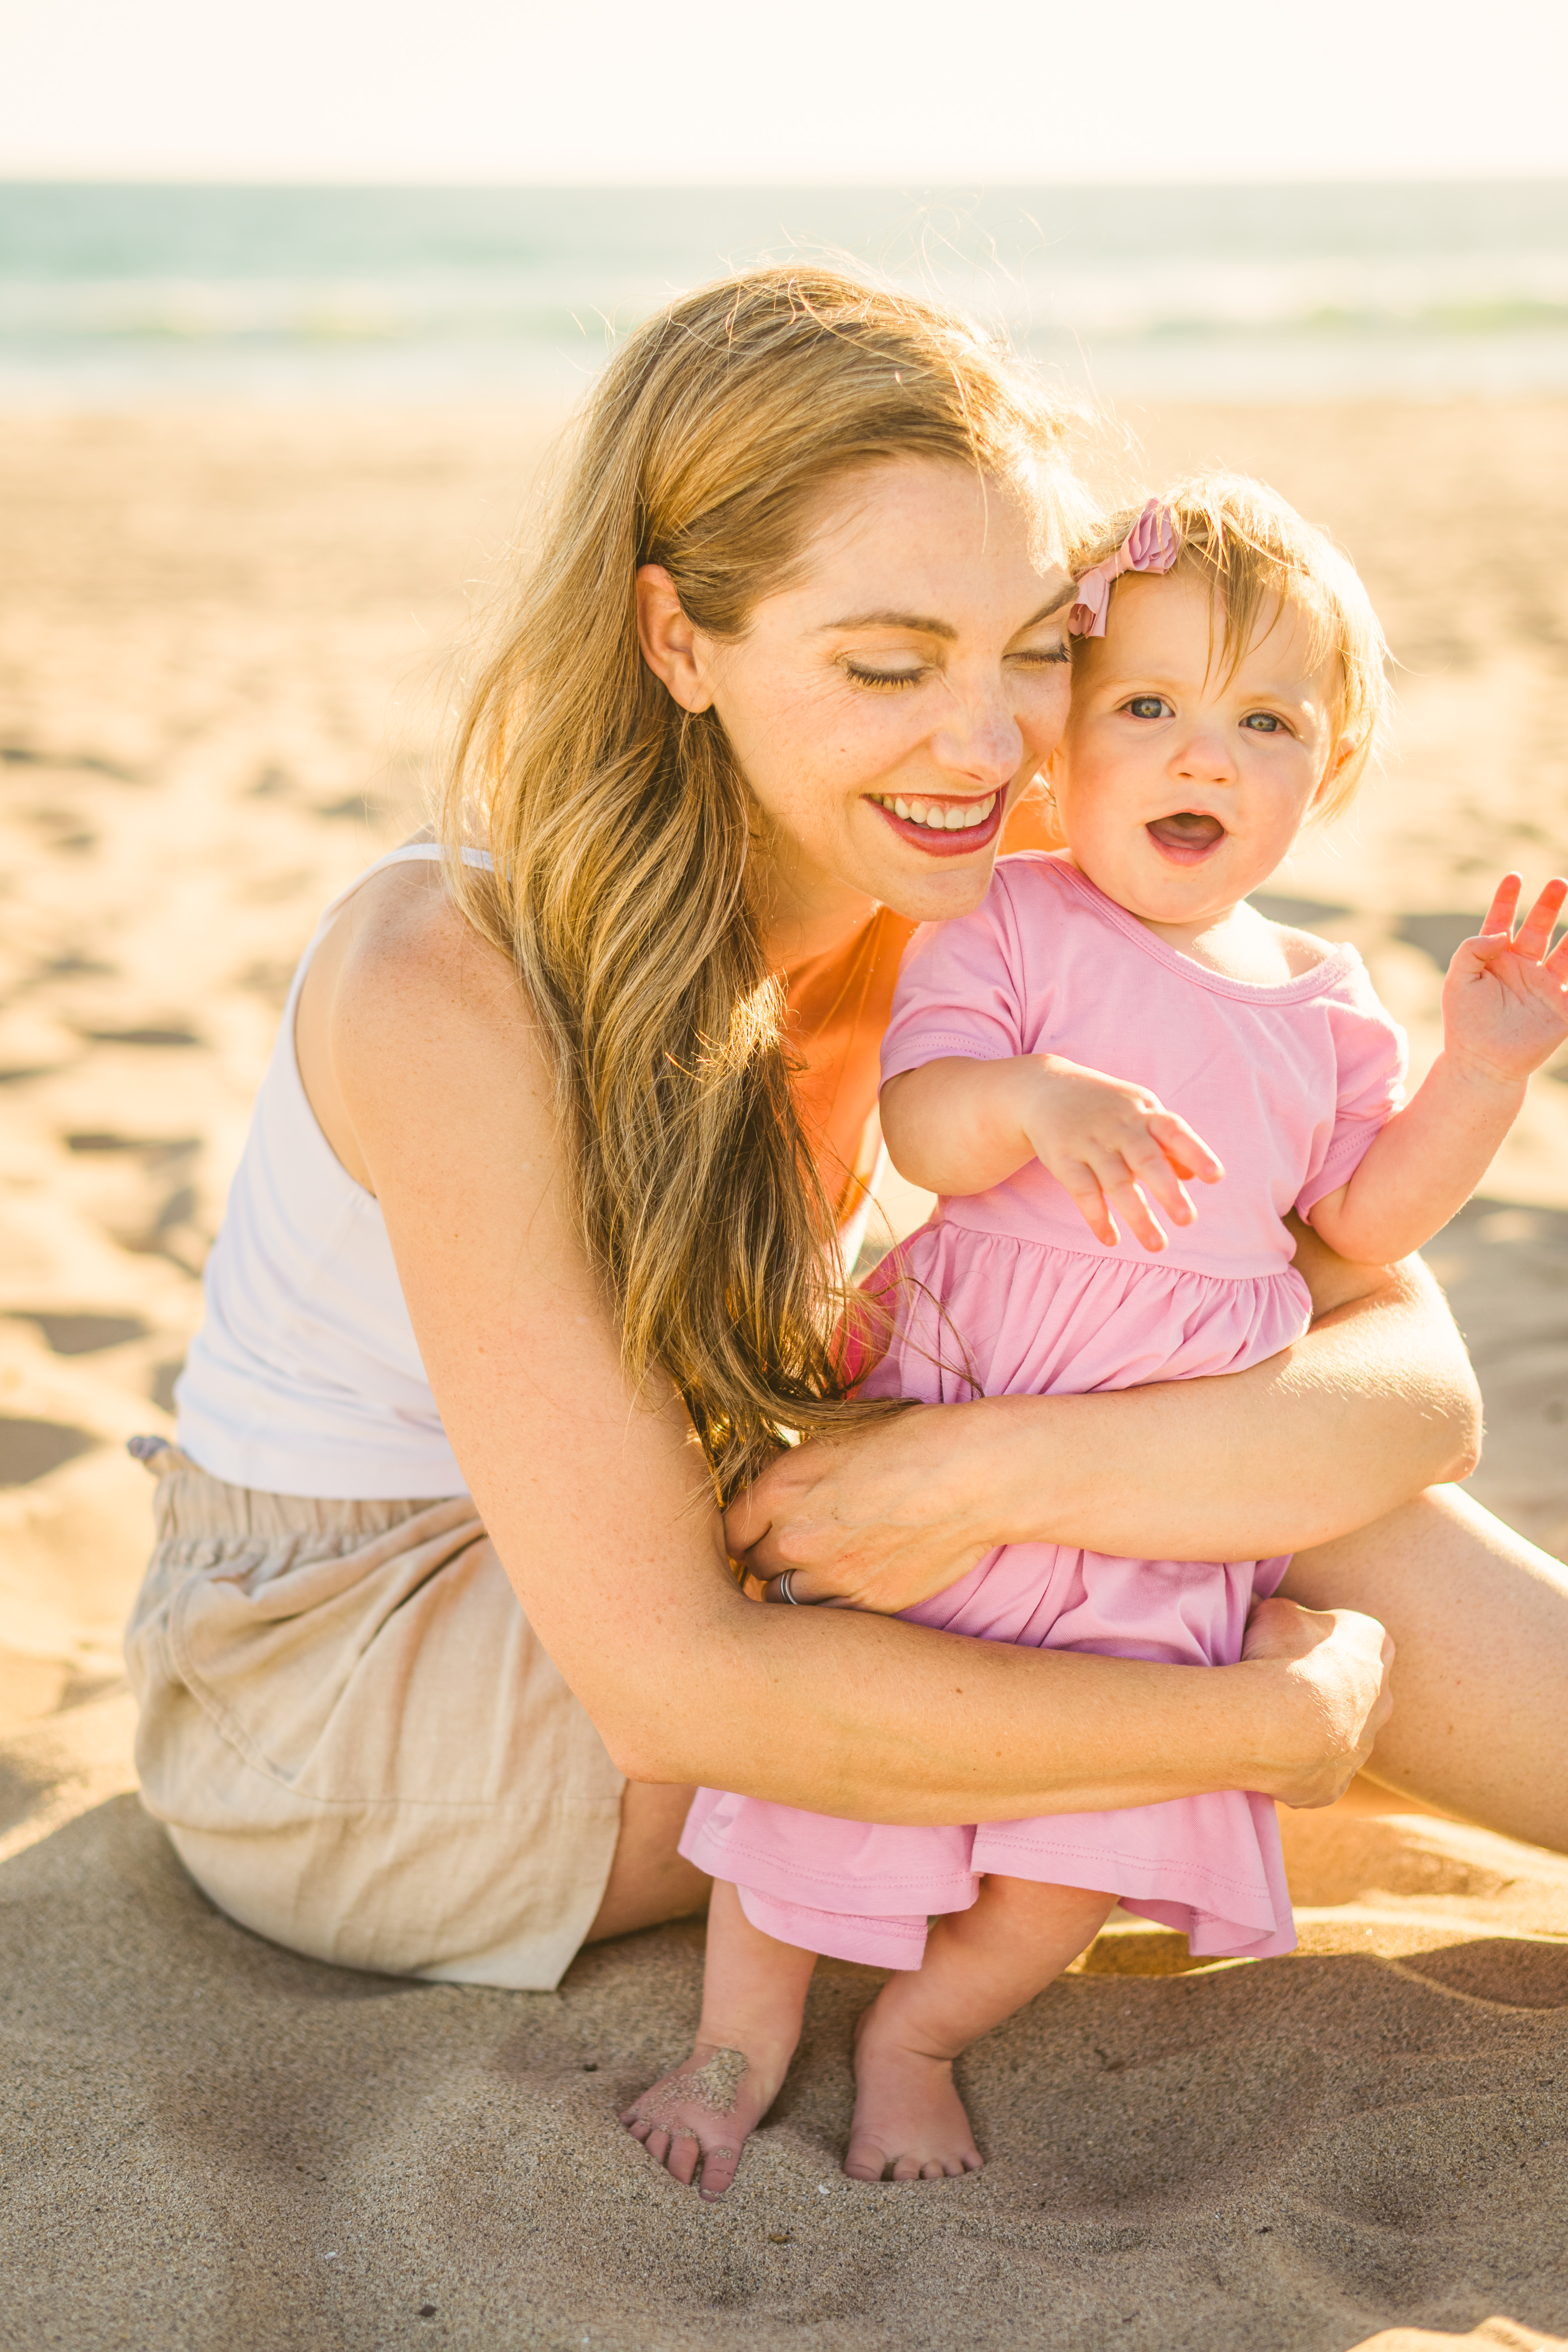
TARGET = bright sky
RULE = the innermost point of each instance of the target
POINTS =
(814, 90)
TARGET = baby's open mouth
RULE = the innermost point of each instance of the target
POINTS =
(1187, 836)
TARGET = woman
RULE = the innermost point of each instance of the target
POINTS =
(531, 1191)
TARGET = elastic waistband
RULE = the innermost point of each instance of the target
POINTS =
(190, 1503)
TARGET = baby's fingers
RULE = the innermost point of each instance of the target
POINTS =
(1499, 914)
(1155, 1174)
(1188, 1154)
(1141, 1222)
(1082, 1185)
(1534, 935)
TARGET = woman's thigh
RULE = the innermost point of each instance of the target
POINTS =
(359, 1745)
(1479, 1621)
(649, 1882)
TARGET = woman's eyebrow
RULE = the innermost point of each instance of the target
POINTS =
(922, 624)
(1064, 596)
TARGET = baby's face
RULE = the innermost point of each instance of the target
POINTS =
(1178, 791)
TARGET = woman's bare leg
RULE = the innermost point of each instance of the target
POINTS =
(649, 1882)
(1479, 1621)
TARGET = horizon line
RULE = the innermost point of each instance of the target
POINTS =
(260, 179)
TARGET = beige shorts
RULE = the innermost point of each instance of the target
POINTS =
(355, 1740)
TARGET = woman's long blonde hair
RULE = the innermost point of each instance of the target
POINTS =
(621, 826)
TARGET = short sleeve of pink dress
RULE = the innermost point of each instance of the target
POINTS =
(1372, 1063)
(1010, 980)
(1008, 1293)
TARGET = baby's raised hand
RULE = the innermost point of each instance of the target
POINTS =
(1112, 1145)
(1505, 1000)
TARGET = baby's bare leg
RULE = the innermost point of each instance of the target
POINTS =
(980, 1966)
(753, 1996)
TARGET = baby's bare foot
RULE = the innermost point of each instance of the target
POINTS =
(702, 2114)
(908, 2120)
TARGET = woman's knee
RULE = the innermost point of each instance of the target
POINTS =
(650, 1881)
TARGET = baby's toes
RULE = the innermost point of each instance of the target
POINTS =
(720, 2165)
(865, 2161)
(685, 2147)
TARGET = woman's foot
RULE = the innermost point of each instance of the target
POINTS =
(703, 2112)
(910, 2122)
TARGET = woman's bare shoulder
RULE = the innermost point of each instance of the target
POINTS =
(402, 936)
(409, 1015)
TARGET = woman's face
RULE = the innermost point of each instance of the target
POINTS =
(886, 706)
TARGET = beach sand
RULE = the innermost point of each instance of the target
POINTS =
(225, 643)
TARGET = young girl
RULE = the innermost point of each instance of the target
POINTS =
(1227, 685)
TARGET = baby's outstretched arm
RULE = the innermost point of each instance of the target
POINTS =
(955, 1126)
(1505, 1011)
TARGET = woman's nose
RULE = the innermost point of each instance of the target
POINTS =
(981, 741)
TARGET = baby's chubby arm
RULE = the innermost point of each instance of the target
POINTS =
(1505, 1011)
(957, 1125)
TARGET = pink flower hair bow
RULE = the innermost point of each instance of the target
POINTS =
(1151, 545)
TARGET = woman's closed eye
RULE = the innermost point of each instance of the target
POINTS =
(864, 674)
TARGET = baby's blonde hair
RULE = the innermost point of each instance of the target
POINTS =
(1255, 551)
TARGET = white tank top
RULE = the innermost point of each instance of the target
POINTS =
(305, 1377)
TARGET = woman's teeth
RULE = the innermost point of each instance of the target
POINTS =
(942, 817)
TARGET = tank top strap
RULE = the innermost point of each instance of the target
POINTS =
(411, 853)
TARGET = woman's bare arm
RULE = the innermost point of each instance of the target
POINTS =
(1377, 1403)
(596, 1500)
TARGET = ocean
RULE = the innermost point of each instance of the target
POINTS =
(117, 296)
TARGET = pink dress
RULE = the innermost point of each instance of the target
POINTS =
(1290, 1085)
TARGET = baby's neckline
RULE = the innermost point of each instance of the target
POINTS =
(1333, 967)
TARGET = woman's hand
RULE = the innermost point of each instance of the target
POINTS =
(1333, 1664)
(880, 1519)
(876, 1519)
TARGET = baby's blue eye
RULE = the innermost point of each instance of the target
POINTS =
(1264, 721)
(1147, 706)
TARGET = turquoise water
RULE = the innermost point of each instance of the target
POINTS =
(115, 295)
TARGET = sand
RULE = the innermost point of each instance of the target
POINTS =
(226, 641)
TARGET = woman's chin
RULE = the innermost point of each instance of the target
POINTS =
(928, 874)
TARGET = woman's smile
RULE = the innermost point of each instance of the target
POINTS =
(940, 823)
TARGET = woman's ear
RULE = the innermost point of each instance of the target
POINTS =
(668, 641)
